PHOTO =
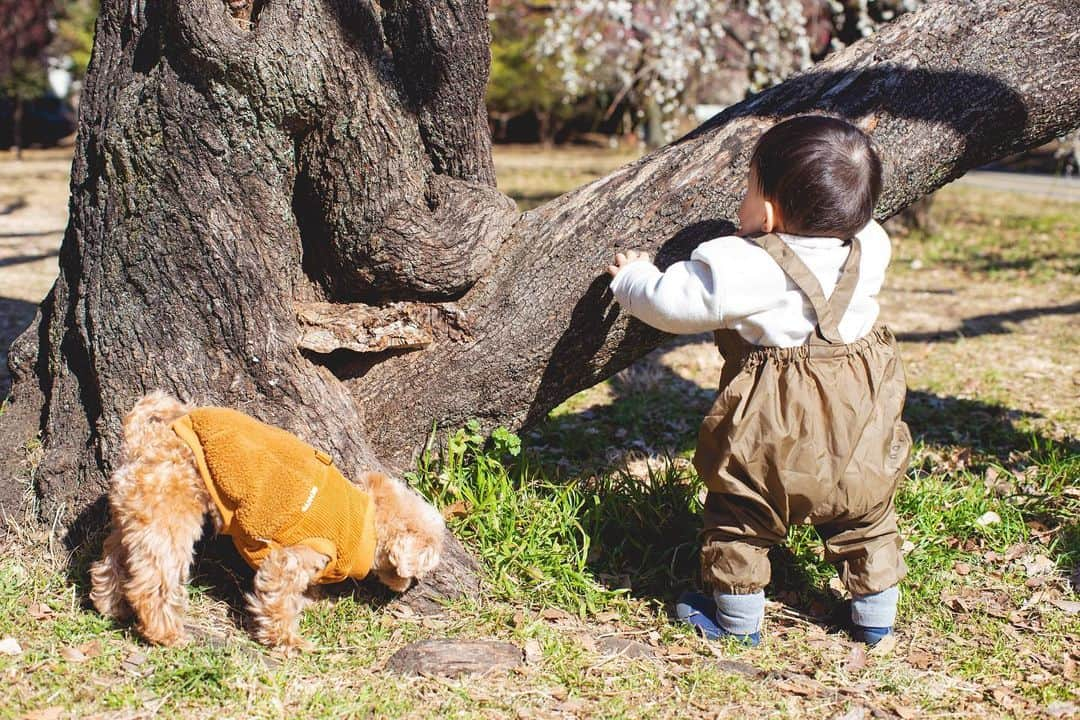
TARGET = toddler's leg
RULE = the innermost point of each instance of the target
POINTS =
(735, 564)
(724, 615)
(866, 552)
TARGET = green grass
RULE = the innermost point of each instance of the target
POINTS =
(524, 527)
(1024, 239)
(537, 534)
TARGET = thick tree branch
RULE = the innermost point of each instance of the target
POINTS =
(441, 50)
(943, 90)
(380, 224)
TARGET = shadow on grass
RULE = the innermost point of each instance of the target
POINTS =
(15, 316)
(23, 259)
(989, 324)
(218, 571)
(643, 523)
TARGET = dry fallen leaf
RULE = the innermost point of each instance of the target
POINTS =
(432, 623)
(1062, 709)
(1015, 551)
(954, 602)
(856, 659)
(856, 713)
(572, 706)
(1039, 565)
(72, 654)
(588, 642)
(40, 611)
(884, 647)
(962, 568)
(455, 509)
(920, 659)
(906, 713)
(91, 649)
(796, 688)
(403, 612)
(533, 652)
(1069, 606)
(134, 661)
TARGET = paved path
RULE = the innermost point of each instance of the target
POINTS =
(1047, 186)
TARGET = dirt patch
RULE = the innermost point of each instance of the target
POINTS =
(33, 215)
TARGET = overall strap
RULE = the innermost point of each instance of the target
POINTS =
(828, 311)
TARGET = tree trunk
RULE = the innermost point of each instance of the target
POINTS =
(16, 128)
(230, 181)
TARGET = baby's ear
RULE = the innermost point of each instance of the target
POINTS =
(771, 215)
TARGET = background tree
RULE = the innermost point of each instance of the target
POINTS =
(24, 34)
(519, 84)
(299, 220)
(663, 55)
(25, 81)
(75, 33)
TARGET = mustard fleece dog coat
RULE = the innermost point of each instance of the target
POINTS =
(274, 490)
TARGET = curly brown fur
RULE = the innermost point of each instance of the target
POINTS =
(409, 532)
(158, 503)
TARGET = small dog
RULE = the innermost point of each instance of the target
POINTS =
(161, 493)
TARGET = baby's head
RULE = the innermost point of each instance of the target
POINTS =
(811, 175)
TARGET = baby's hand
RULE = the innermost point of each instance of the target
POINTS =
(624, 259)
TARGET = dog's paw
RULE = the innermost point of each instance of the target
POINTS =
(291, 644)
(167, 639)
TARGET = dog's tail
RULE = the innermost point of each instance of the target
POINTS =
(107, 577)
(155, 407)
(144, 425)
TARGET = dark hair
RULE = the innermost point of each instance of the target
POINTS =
(821, 172)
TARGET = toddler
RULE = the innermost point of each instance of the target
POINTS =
(806, 428)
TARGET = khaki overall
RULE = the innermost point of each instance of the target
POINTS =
(807, 434)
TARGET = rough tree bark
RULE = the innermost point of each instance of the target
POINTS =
(242, 164)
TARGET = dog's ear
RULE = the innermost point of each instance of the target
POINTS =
(402, 555)
(413, 556)
(427, 560)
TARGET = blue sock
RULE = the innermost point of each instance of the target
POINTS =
(873, 615)
(735, 616)
(870, 635)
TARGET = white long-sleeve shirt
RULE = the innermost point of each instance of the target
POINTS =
(732, 283)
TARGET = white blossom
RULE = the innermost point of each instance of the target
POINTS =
(657, 52)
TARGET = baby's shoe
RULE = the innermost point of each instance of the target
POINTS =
(699, 611)
(870, 635)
